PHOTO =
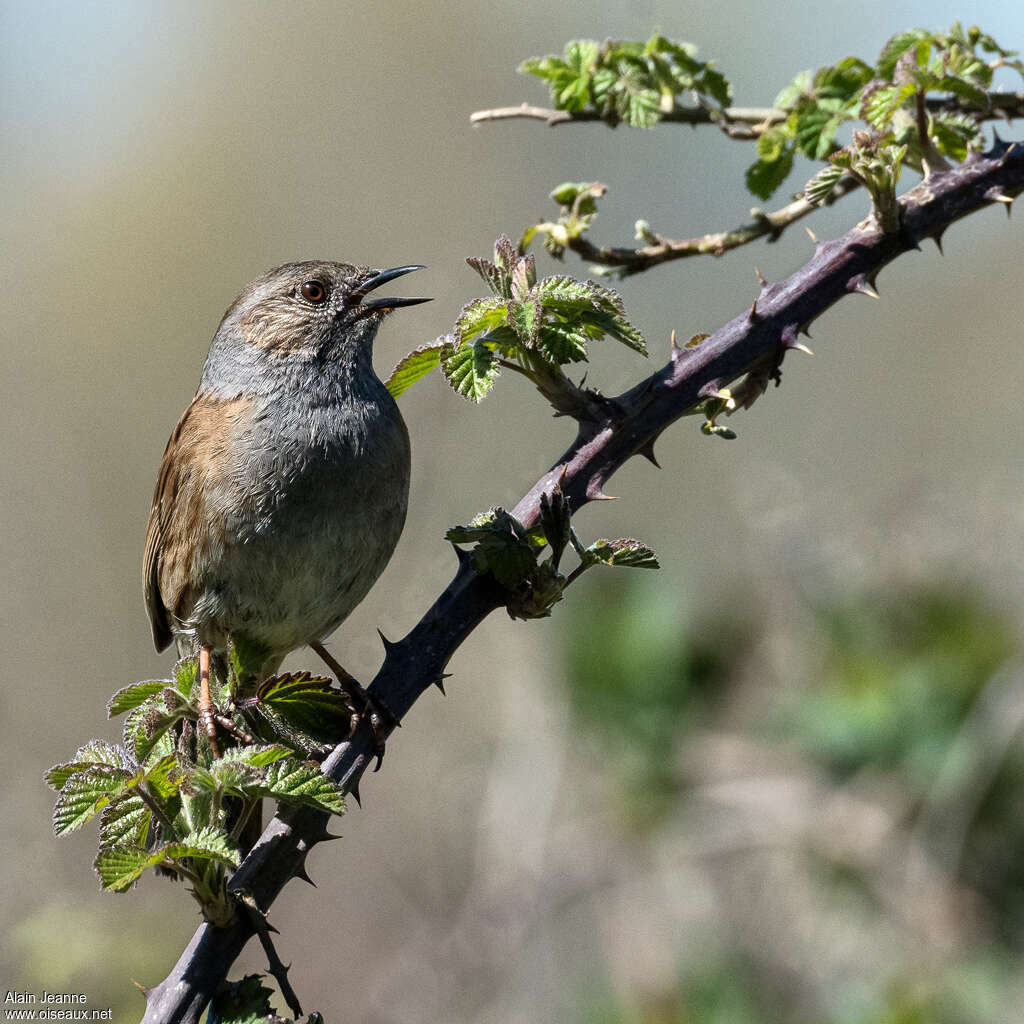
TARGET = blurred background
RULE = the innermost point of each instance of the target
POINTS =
(781, 780)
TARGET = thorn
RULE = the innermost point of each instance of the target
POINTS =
(647, 451)
(937, 239)
(389, 645)
(275, 931)
(673, 344)
(323, 837)
(993, 195)
(594, 493)
(805, 330)
(752, 315)
(354, 792)
(860, 285)
(760, 278)
(146, 992)
(439, 683)
(710, 390)
(300, 873)
(813, 236)
(801, 347)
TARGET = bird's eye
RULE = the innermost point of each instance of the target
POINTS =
(314, 291)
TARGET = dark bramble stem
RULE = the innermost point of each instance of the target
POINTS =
(628, 425)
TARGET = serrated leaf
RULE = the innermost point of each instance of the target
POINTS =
(477, 318)
(243, 1002)
(880, 104)
(186, 673)
(524, 276)
(297, 782)
(820, 187)
(208, 843)
(954, 134)
(470, 370)
(257, 755)
(147, 724)
(125, 822)
(416, 364)
(563, 293)
(494, 277)
(133, 695)
(306, 711)
(94, 754)
(562, 342)
(525, 318)
(624, 551)
(897, 46)
(85, 794)
(120, 866)
(815, 129)
(617, 327)
(163, 778)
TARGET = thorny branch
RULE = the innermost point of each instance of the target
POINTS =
(756, 340)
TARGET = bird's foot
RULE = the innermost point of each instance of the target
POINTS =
(361, 705)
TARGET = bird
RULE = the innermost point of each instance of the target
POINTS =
(284, 487)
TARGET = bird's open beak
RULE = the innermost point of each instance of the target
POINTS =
(379, 277)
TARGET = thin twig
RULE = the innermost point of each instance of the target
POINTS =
(770, 225)
(744, 123)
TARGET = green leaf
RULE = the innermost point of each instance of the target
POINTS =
(564, 294)
(305, 710)
(256, 755)
(417, 364)
(955, 133)
(524, 275)
(580, 196)
(470, 370)
(497, 279)
(503, 547)
(898, 45)
(86, 793)
(775, 161)
(95, 754)
(208, 843)
(186, 674)
(297, 782)
(120, 866)
(820, 187)
(243, 1002)
(133, 695)
(477, 318)
(618, 327)
(880, 104)
(125, 822)
(815, 129)
(562, 342)
(625, 551)
(163, 778)
(148, 723)
(525, 318)
(798, 89)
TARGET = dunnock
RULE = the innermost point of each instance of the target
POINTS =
(283, 489)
